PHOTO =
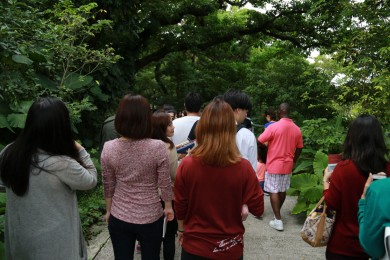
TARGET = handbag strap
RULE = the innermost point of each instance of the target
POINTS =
(318, 204)
(322, 221)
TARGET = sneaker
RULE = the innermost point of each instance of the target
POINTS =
(276, 224)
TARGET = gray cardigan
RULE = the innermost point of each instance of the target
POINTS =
(45, 222)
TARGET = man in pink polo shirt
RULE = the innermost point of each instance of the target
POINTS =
(285, 144)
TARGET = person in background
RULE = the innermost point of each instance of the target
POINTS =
(163, 129)
(192, 103)
(261, 161)
(374, 215)
(285, 144)
(134, 167)
(248, 124)
(364, 153)
(270, 116)
(170, 110)
(245, 139)
(212, 185)
(107, 132)
(41, 170)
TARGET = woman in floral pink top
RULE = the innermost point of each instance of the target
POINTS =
(134, 167)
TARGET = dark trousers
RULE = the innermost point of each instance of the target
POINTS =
(187, 256)
(170, 238)
(123, 237)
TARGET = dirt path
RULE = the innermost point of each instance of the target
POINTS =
(261, 241)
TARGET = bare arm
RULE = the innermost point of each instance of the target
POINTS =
(326, 179)
(297, 154)
(180, 231)
(108, 208)
(168, 210)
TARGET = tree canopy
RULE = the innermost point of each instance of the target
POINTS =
(90, 54)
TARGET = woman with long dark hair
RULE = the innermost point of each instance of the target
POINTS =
(211, 187)
(364, 153)
(134, 168)
(163, 129)
(41, 171)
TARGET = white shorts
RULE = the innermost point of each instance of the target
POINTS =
(275, 183)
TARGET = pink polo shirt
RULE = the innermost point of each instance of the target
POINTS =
(283, 138)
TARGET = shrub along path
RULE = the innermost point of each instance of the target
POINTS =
(261, 241)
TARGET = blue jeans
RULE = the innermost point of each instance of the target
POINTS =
(123, 237)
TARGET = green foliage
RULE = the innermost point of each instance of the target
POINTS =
(92, 205)
(319, 163)
(280, 74)
(308, 185)
(66, 49)
(17, 119)
(47, 52)
(74, 58)
(323, 134)
(364, 54)
(92, 209)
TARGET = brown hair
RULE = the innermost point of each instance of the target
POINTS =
(133, 117)
(160, 123)
(216, 135)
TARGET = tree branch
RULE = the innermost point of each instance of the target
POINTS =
(159, 54)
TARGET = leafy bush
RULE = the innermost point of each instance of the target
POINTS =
(308, 185)
(92, 206)
(47, 53)
(323, 134)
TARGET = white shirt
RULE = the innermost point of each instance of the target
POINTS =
(246, 143)
(183, 127)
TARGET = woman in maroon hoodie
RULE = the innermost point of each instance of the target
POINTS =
(212, 185)
(364, 153)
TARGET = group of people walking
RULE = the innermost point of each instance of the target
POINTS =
(201, 198)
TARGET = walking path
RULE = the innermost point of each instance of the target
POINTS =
(261, 241)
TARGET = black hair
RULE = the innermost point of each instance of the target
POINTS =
(247, 123)
(271, 113)
(169, 108)
(365, 145)
(193, 102)
(47, 127)
(284, 110)
(237, 99)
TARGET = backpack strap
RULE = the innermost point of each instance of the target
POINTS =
(239, 127)
(191, 135)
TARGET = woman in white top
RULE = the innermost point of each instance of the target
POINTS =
(162, 129)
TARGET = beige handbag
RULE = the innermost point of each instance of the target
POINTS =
(318, 225)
